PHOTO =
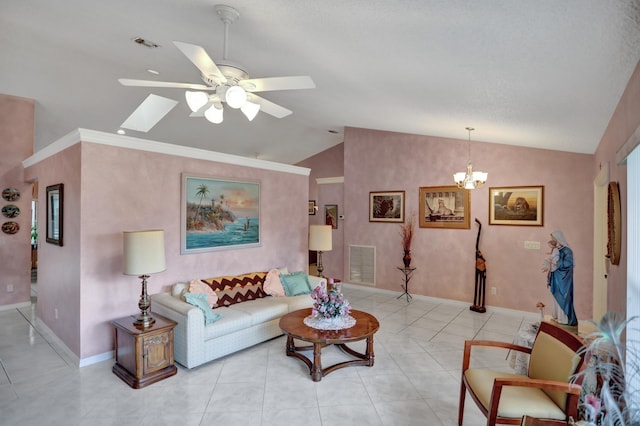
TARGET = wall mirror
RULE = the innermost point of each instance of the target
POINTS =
(55, 198)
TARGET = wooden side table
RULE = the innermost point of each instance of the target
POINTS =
(143, 355)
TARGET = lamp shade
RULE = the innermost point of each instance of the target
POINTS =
(143, 252)
(320, 238)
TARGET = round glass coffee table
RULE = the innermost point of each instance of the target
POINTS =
(293, 326)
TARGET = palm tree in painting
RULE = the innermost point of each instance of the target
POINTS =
(202, 191)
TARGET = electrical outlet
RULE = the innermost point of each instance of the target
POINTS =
(532, 245)
(55, 313)
(494, 290)
(9, 288)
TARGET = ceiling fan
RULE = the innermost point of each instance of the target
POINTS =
(226, 82)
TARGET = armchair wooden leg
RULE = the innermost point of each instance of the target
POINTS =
(463, 393)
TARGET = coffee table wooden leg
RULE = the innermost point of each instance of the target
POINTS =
(316, 369)
(369, 352)
(291, 348)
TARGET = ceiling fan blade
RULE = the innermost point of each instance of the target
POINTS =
(277, 83)
(269, 107)
(148, 113)
(202, 60)
(168, 84)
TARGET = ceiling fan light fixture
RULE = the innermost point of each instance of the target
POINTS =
(235, 96)
(250, 110)
(214, 114)
(196, 100)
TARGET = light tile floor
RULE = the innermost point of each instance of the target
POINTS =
(415, 379)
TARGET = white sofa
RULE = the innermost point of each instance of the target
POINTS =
(242, 325)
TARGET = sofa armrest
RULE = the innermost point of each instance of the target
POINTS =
(189, 333)
(316, 281)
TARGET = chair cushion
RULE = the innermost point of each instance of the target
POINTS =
(552, 360)
(515, 401)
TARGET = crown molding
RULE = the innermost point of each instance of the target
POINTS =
(121, 141)
(325, 181)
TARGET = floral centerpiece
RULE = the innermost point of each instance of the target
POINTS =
(330, 310)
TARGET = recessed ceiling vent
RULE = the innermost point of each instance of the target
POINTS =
(148, 43)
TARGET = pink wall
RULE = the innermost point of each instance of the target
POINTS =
(16, 136)
(623, 123)
(328, 164)
(445, 258)
(127, 189)
(59, 285)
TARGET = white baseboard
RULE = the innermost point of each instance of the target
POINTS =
(15, 306)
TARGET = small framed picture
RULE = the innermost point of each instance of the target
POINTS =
(516, 205)
(312, 207)
(386, 206)
(444, 207)
(55, 211)
(331, 215)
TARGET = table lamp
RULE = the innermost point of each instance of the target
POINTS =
(320, 240)
(144, 255)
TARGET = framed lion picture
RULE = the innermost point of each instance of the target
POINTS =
(516, 205)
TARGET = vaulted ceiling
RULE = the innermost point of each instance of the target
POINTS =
(545, 73)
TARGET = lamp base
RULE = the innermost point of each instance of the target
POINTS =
(145, 319)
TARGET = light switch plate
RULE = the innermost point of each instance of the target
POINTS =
(532, 245)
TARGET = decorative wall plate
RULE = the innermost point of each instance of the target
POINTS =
(614, 219)
(10, 211)
(10, 227)
(11, 194)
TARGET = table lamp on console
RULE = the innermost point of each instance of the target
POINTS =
(320, 240)
(143, 256)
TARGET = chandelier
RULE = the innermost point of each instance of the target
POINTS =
(470, 179)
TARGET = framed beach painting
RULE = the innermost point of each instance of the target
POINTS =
(516, 205)
(219, 214)
(386, 206)
(444, 207)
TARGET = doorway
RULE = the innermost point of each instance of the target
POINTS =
(600, 236)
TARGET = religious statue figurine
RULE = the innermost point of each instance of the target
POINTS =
(559, 268)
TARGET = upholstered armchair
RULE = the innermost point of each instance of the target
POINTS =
(546, 392)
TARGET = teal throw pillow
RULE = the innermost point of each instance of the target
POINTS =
(295, 284)
(201, 301)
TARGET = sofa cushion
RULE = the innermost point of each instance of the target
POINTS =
(273, 285)
(262, 310)
(200, 300)
(227, 282)
(232, 320)
(179, 289)
(236, 289)
(298, 302)
(295, 283)
(197, 286)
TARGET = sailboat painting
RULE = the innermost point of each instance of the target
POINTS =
(219, 214)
